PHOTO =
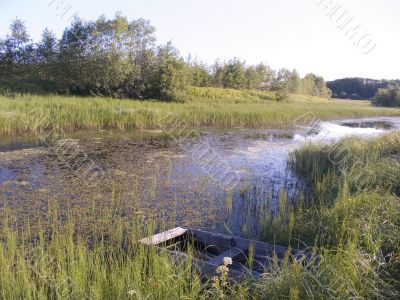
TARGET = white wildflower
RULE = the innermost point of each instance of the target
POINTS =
(227, 261)
(222, 269)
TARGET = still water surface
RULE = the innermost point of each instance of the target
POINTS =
(161, 180)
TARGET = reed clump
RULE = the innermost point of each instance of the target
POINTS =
(349, 218)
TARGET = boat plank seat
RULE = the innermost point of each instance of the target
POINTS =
(219, 260)
(163, 236)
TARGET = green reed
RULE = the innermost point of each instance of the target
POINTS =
(23, 114)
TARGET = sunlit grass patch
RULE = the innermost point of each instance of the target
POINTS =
(204, 107)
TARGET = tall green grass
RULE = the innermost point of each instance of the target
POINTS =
(350, 216)
(364, 164)
(56, 261)
(64, 266)
(19, 114)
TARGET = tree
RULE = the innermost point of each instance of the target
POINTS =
(75, 48)
(253, 78)
(294, 82)
(321, 87)
(286, 81)
(47, 55)
(199, 74)
(109, 57)
(47, 48)
(140, 46)
(266, 75)
(233, 74)
(18, 42)
(172, 79)
(387, 97)
(3, 58)
(314, 85)
(107, 63)
(17, 51)
(280, 79)
(217, 74)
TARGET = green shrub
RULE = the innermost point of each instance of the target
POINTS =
(387, 97)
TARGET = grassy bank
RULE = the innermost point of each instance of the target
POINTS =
(204, 107)
(351, 214)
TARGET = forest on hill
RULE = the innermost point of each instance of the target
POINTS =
(358, 88)
(121, 58)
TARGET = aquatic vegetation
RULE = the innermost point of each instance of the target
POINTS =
(350, 217)
(21, 114)
(112, 265)
(365, 164)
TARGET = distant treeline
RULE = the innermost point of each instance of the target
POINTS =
(359, 88)
(120, 58)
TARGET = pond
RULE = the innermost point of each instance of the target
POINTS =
(213, 179)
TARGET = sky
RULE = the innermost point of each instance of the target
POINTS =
(353, 38)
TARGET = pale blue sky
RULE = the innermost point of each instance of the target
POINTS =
(293, 34)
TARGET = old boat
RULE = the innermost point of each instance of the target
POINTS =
(207, 250)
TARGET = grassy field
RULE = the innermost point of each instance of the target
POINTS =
(204, 107)
(350, 218)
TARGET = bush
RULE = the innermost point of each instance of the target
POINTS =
(387, 97)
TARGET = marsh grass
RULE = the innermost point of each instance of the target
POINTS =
(57, 258)
(203, 107)
(363, 164)
(354, 239)
(350, 217)
(59, 263)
